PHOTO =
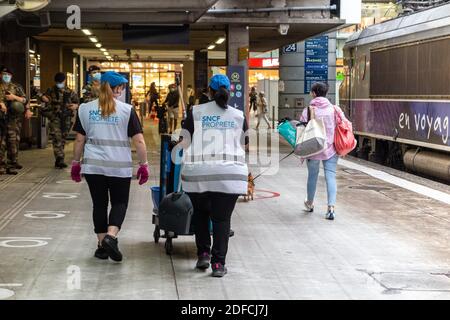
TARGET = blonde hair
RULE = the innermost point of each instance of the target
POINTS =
(106, 100)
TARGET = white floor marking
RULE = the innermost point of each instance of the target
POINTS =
(46, 214)
(11, 284)
(60, 196)
(5, 294)
(38, 242)
(68, 182)
(405, 184)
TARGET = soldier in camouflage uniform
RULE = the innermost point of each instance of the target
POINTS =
(61, 103)
(12, 100)
(91, 90)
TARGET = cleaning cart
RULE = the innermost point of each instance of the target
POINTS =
(170, 176)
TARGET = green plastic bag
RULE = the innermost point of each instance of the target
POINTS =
(288, 132)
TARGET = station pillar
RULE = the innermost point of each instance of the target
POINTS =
(301, 64)
(238, 41)
(200, 69)
(51, 62)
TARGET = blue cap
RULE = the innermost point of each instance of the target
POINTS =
(113, 78)
(219, 80)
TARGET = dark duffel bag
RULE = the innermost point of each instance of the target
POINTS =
(175, 213)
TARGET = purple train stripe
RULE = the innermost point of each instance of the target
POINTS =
(424, 121)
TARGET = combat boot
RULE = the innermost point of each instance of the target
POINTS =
(11, 171)
(59, 163)
(63, 164)
(17, 166)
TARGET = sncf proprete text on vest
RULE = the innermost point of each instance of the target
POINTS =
(209, 122)
(95, 116)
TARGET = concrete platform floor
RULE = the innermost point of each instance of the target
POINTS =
(386, 243)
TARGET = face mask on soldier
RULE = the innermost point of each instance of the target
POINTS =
(60, 85)
(6, 78)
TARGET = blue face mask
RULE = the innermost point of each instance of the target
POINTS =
(6, 78)
(97, 76)
(60, 85)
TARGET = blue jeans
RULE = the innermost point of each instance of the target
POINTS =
(330, 178)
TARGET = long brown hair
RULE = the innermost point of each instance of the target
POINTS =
(106, 100)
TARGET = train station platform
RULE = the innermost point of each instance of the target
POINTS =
(390, 239)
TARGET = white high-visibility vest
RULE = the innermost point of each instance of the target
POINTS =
(108, 149)
(215, 158)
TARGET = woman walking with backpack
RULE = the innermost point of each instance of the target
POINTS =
(323, 110)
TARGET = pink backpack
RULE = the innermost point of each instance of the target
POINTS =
(344, 140)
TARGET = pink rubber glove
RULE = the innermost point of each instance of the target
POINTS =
(76, 171)
(142, 173)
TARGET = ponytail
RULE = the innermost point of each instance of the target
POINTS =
(221, 97)
(106, 100)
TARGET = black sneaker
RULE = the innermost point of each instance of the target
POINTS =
(101, 253)
(219, 270)
(111, 245)
(203, 261)
(330, 215)
(309, 207)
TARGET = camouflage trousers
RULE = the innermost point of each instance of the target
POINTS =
(2, 148)
(9, 144)
(59, 136)
(13, 152)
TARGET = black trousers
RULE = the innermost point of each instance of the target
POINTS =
(253, 105)
(102, 188)
(153, 100)
(218, 207)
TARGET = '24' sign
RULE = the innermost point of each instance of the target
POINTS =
(292, 48)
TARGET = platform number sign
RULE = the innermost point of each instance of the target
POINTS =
(292, 48)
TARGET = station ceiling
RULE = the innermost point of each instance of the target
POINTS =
(105, 19)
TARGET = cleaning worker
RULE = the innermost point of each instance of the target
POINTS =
(214, 171)
(104, 128)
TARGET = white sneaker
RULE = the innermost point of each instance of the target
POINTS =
(308, 207)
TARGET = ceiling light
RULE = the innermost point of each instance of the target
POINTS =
(220, 40)
(86, 32)
(93, 39)
(106, 53)
(102, 49)
(98, 45)
(211, 47)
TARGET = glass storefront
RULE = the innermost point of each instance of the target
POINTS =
(142, 74)
(255, 75)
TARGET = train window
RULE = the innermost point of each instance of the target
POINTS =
(411, 70)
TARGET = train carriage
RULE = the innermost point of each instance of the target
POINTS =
(397, 91)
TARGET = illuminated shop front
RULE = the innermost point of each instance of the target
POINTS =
(142, 74)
